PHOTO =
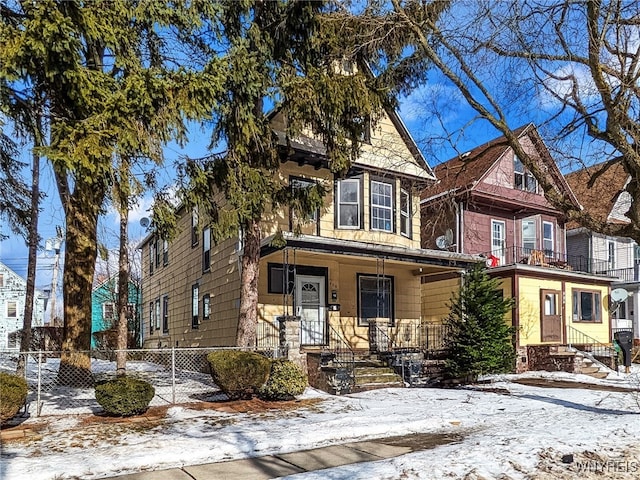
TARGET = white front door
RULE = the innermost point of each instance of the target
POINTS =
(310, 307)
(498, 240)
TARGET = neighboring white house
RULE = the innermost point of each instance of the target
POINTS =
(617, 257)
(13, 291)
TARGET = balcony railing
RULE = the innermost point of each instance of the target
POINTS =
(553, 259)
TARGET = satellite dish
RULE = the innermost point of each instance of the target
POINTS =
(441, 242)
(619, 294)
(448, 235)
(144, 222)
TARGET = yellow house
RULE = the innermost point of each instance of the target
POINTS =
(356, 261)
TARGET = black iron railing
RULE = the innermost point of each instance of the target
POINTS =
(436, 335)
(342, 356)
(553, 259)
(585, 343)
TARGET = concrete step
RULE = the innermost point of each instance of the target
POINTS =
(377, 378)
(589, 370)
(361, 371)
(365, 387)
(599, 374)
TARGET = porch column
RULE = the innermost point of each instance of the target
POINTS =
(290, 340)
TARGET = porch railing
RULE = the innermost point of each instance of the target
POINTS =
(585, 343)
(436, 335)
(343, 357)
(551, 259)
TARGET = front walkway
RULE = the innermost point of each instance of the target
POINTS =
(281, 465)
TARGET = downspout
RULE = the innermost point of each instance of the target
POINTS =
(460, 227)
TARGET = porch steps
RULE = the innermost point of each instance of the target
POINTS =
(588, 365)
(371, 373)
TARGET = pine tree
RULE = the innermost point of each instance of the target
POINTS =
(280, 54)
(479, 340)
(112, 84)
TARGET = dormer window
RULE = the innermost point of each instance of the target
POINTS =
(523, 179)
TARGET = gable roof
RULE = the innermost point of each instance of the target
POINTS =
(600, 197)
(463, 172)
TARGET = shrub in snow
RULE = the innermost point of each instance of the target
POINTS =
(480, 340)
(286, 380)
(239, 374)
(13, 393)
(124, 396)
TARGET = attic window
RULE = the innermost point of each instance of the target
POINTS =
(523, 178)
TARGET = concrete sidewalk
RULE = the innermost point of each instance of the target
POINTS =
(280, 465)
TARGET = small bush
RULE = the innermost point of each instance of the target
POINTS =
(239, 374)
(13, 393)
(286, 380)
(124, 396)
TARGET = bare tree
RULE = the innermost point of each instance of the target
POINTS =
(571, 67)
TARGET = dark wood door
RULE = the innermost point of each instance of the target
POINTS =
(551, 316)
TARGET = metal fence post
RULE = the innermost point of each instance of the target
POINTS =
(173, 375)
(38, 404)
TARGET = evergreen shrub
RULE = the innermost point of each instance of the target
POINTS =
(13, 393)
(479, 341)
(239, 374)
(286, 380)
(124, 396)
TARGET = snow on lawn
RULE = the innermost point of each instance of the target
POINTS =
(507, 430)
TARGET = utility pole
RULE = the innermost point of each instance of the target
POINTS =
(54, 244)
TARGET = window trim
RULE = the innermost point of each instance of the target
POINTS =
(535, 233)
(152, 320)
(391, 279)
(152, 255)
(548, 251)
(391, 208)
(406, 215)
(206, 249)
(195, 306)
(15, 308)
(165, 252)
(195, 219)
(576, 307)
(612, 255)
(502, 254)
(104, 311)
(206, 306)
(525, 175)
(157, 313)
(314, 218)
(165, 314)
(157, 252)
(360, 220)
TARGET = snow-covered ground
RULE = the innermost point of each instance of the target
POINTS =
(507, 431)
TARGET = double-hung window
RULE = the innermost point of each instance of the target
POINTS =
(375, 298)
(206, 306)
(108, 311)
(206, 249)
(165, 314)
(195, 303)
(349, 203)
(523, 179)
(405, 213)
(528, 236)
(12, 310)
(547, 238)
(152, 255)
(152, 317)
(194, 226)
(157, 314)
(381, 206)
(587, 306)
(611, 254)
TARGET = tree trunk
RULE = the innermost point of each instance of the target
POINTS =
(123, 290)
(25, 335)
(81, 215)
(248, 315)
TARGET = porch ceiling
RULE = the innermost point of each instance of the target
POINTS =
(423, 261)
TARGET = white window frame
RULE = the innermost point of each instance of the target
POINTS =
(498, 250)
(195, 216)
(206, 306)
(206, 249)
(165, 252)
(612, 259)
(357, 203)
(195, 306)
(405, 213)
(165, 314)
(596, 305)
(531, 240)
(548, 244)
(105, 306)
(382, 207)
(15, 309)
(528, 182)
(157, 313)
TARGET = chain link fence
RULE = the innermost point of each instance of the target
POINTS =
(179, 375)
